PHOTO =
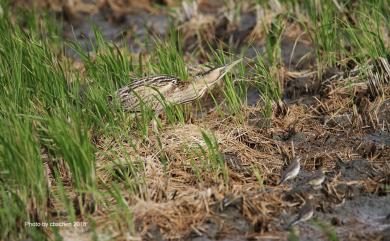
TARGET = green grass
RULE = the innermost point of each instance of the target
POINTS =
(207, 159)
(273, 41)
(169, 57)
(22, 178)
(234, 91)
(52, 117)
(353, 32)
(259, 176)
(268, 85)
(327, 229)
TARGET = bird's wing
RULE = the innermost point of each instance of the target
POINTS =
(316, 175)
(305, 213)
(290, 168)
(146, 90)
(132, 100)
(155, 81)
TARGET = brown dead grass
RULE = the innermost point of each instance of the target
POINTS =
(172, 201)
(92, 7)
(178, 203)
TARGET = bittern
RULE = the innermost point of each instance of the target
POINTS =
(291, 171)
(155, 91)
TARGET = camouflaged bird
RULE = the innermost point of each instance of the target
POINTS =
(155, 92)
(291, 171)
(317, 179)
(305, 213)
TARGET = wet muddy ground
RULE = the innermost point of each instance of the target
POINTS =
(135, 31)
(354, 201)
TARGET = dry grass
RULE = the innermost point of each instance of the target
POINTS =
(174, 201)
(178, 203)
(171, 186)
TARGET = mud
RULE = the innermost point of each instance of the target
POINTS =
(364, 216)
(132, 30)
(356, 215)
(354, 200)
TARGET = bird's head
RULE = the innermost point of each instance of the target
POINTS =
(297, 159)
(214, 75)
(309, 196)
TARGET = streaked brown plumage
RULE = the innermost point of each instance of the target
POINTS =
(149, 90)
(154, 92)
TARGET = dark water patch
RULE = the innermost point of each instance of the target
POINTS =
(363, 216)
(384, 113)
(360, 218)
(253, 96)
(297, 55)
(379, 138)
(134, 30)
(247, 23)
(357, 170)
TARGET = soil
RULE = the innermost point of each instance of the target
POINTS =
(354, 201)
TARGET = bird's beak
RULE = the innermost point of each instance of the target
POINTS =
(228, 67)
(231, 65)
(217, 74)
